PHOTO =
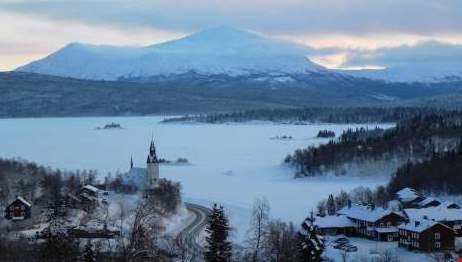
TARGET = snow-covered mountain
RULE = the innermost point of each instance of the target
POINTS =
(221, 50)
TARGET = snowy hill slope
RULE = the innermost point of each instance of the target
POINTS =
(221, 50)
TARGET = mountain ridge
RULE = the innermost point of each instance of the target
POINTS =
(218, 50)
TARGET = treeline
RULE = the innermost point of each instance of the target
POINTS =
(315, 114)
(416, 138)
(441, 173)
(37, 183)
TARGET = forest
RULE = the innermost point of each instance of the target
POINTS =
(441, 173)
(314, 115)
(413, 139)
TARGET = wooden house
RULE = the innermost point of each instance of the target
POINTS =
(19, 209)
(426, 235)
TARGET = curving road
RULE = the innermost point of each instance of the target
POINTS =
(190, 234)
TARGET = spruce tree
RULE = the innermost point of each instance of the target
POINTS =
(311, 243)
(331, 205)
(218, 248)
(88, 254)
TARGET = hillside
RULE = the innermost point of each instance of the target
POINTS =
(33, 95)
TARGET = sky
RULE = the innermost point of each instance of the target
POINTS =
(363, 32)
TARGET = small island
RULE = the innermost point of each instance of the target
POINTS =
(326, 134)
(179, 161)
(110, 126)
(283, 137)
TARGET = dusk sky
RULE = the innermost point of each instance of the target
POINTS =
(358, 29)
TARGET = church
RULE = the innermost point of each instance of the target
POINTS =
(145, 178)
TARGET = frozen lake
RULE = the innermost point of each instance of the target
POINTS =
(231, 164)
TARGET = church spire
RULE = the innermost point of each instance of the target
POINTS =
(131, 161)
(152, 157)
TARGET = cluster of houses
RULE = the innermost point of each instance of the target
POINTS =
(415, 221)
(86, 199)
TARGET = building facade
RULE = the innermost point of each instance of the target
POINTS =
(19, 209)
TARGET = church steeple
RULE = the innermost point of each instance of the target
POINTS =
(152, 157)
(131, 161)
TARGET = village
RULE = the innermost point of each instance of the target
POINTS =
(104, 215)
(415, 222)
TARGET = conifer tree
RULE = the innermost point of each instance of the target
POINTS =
(218, 248)
(331, 205)
(88, 254)
(311, 243)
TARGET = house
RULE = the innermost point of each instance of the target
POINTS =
(86, 199)
(19, 209)
(374, 223)
(429, 202)
(409, 197)
(335, 225)
(449, 216)
(89, 190)
(426, 235)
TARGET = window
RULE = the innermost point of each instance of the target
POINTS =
(417, 245)
(437, 236)
(390, 238)
(11, 208)
(389, 224)
(437, 244)
(381, 225)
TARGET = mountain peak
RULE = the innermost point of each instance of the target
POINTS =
(218, 50)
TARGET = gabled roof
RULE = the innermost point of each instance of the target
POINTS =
(447, 204)
(420, 225)
(366, 213)
(23, 201)
(407, 194)
(339, 221)
(91, 188)
(427, 201)
(439, 213)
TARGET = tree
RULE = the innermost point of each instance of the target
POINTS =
(311, 243)
(258, 227)
(218, 248)
(331, 206)
(280, 242)
(88, 254)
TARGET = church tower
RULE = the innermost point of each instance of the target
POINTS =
(152, 170)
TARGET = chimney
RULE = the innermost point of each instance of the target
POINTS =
(417, 223)
(425, 217)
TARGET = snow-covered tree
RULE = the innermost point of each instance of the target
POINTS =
(311, 243)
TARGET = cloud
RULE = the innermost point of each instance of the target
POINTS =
(352, 17)
(428, 52)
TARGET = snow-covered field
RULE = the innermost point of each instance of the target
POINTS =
(231, 164)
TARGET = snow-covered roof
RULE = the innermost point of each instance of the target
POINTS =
(439, 213)
(419, 225)
(407, 194)
(384, 229)
(366, 213)
(447, 204)
(24, 201)
(427, 201)
(91, 188)
(339, 221)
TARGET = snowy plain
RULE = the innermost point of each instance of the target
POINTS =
(231, 164)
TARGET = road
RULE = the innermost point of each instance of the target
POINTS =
(189, 236)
